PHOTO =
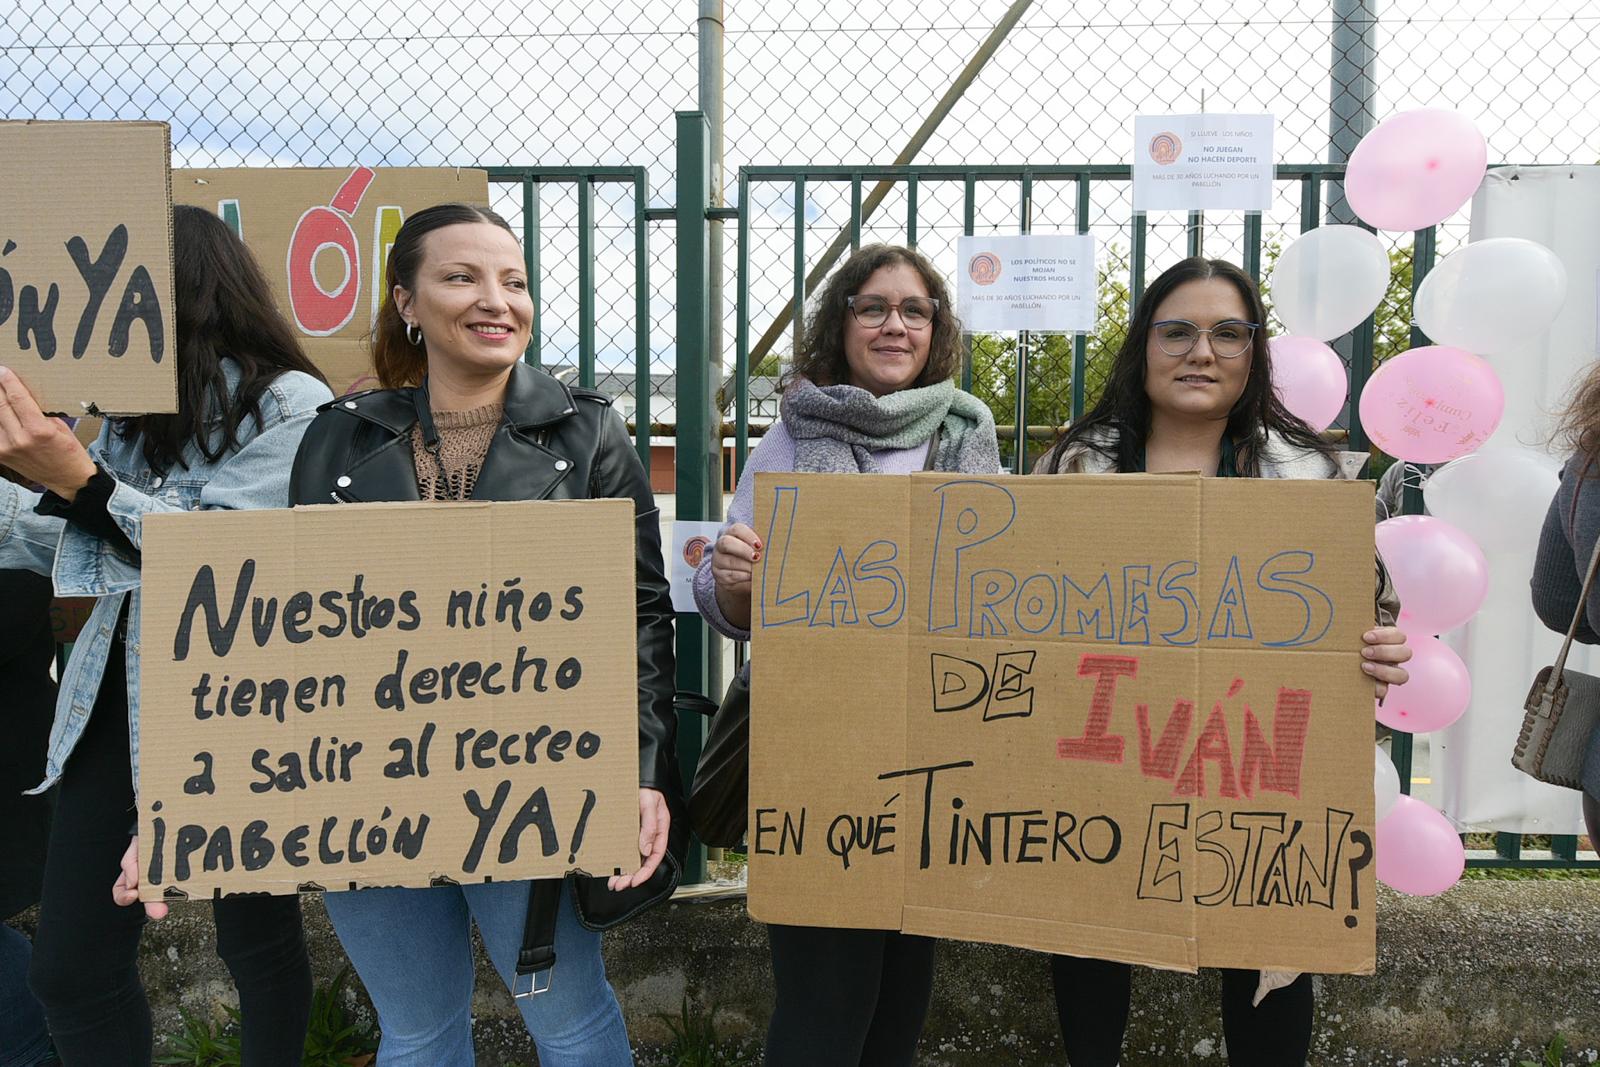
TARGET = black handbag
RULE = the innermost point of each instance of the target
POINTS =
(720, 796)
(1560, 714)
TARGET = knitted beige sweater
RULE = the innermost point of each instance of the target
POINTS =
(450, 470)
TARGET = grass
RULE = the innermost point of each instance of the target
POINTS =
(695, 1043)
(1552, 1056)
(333, 1038)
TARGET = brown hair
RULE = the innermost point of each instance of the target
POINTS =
(397, 362)
(223, 309)
(1578, 428)
(821, 358)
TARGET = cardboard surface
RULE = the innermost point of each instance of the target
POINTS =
(323, 237)
(323, 780)
(1115, 716)
(86, 316)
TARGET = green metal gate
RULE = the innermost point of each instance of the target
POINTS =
(728, 410)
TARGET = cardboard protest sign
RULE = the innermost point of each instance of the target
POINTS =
(86, 316)
(1113, 716)
(323, 236)
(387, 694)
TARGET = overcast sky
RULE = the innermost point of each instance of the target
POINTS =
(285, 83)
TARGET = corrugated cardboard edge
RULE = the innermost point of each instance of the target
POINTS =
(90, 407)
(1045, 935)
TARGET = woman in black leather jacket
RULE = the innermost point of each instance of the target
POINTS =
(464, 418)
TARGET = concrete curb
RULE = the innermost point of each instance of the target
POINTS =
(1481, 977)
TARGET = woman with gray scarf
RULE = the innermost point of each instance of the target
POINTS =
(871, 393)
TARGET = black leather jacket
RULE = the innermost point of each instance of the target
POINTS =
(555, 443)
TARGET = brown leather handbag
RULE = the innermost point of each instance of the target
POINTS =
(1561, 712)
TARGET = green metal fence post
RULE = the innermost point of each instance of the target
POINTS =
(699, 442)
(585, 193)
(530, 256)
(641, 315)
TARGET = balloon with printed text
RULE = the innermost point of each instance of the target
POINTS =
(1432, 404)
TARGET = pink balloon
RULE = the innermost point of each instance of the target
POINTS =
(1436, 694)
(1432, 404)
(1310, 379)
(1438, 571)
(1418, 850)
(1416, 169)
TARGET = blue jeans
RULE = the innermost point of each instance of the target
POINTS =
(413, 953)
(24, 1041)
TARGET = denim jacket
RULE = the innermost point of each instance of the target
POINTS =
(256, 475)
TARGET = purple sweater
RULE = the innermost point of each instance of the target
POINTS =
(776, 453)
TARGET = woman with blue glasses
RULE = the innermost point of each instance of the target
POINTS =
(1191, 390)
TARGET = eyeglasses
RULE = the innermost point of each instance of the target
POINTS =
(916, 312)
(1229, 340)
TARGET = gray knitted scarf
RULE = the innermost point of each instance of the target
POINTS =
(836, 428)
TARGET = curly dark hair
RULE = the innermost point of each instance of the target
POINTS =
(821, 358)
(1119, 425)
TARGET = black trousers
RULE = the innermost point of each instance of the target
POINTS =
(85, 954)
(1092, 1005)
(847, 997)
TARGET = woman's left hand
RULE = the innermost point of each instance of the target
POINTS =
(1383, 649)
(36, 446)
(654, 821)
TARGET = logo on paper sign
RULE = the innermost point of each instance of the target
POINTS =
(984, 268)
(694, 550)
(1165, 148)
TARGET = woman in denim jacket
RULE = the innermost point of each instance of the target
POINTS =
(247, 393)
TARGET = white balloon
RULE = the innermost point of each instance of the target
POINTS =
(1329, 280)
(1492, 297)
(1497, 495)
(1385, 783)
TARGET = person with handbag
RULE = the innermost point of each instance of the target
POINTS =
(1191, 389)
(869, 392)
(1560, 741)
(462, 417)
(246, 393)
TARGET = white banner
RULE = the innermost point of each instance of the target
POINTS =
(1202, 162)
(1506, 644)
(1039, 281)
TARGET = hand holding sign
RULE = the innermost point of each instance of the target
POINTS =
(36, 446)
(125, 890)
(655, 819)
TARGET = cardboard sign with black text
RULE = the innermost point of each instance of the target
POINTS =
(387, 694)
(86, 316)
(1110, 716)
(323, 236)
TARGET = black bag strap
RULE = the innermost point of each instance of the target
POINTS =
(538, 955)
(1583, 598)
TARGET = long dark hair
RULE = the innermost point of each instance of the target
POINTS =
(1119, 424)
(821, 357)
(224, 308)
(396, 360)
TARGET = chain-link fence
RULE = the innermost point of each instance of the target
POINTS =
(853, 82)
